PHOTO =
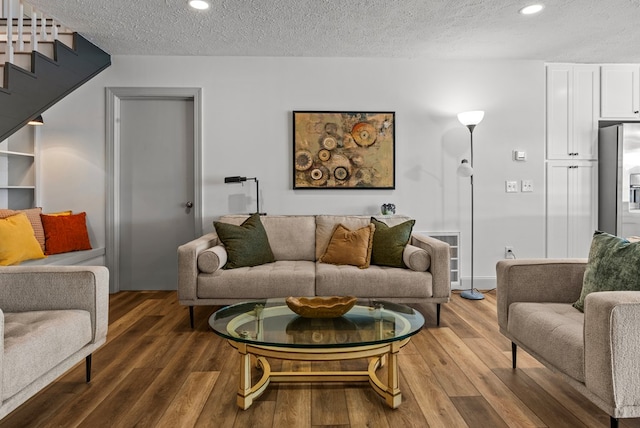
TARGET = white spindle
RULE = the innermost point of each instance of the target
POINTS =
(34, 30)
(10, 33)
(20, 36)
(43, 29)
(55, 29)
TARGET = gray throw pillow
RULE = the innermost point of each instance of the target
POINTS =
(613, 265)
(247, 244)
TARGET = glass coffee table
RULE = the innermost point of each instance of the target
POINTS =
(372, 329)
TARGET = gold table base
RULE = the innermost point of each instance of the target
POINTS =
(378, 353)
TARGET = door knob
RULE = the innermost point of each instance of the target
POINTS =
(189, 204)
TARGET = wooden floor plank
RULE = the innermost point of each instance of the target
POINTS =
(435, 404)
(444, 368)
(507, 404)
(477, 412)
(156, 370)
(292, 405)
(547, 408)
(571, 399)
(328, 401)
(189, 400)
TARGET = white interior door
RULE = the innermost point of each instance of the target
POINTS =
(156, 190)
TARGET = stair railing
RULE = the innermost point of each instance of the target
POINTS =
(15, 32)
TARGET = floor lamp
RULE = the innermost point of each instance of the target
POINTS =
(470, 119)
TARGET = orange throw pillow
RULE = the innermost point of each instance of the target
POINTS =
(350, 247)
(64, 233)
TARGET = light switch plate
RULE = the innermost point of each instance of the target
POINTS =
(511, 186)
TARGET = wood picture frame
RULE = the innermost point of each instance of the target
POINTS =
(343, 150)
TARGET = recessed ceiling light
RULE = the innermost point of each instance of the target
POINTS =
(531, 9)
(199, 4)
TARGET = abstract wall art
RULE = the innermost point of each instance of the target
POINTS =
(343, 150)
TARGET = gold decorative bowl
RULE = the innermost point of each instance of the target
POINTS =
(321, 307)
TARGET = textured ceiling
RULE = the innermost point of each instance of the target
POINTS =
(567, 30)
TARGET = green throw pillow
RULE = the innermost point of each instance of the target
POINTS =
(614, 265)
(247, 244)
(389, 243)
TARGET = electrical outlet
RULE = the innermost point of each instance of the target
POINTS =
(527, 185)
(511, 186)
(508, 252)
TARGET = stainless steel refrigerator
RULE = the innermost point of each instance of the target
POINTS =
(619, 179)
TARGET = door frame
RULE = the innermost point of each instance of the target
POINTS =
(114, 96)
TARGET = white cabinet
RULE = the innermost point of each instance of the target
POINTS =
(573, 101)
(620, 91)
(571, 207)
(18, 170)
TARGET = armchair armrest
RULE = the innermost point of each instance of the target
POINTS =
(440, 262)
(537, 280)
(41, 288)
(611, 348)
(188, 265)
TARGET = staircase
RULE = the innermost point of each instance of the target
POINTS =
(41, 63)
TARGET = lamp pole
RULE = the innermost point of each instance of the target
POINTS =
(470, 120)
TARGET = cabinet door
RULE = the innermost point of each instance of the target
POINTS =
(571, 208)
(586, 102)
(559, 111)
(558, 208)
(583, 208)
(620, 92)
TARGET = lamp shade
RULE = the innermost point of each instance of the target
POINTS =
(464, 169)
(471, 117)
(36, 121)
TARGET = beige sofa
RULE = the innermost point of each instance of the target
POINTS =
(297, 243)
(596, 352)
(51, 318)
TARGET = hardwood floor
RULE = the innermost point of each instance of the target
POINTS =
(155, 371)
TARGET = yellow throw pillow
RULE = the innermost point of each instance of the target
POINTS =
(350, 247)
(17, 241)
(33, 214)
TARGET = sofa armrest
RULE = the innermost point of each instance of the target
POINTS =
(537, 280)
(41, 288)
(612, 346)
(440, 262)
(188, 264)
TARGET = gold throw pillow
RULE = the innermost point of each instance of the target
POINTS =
(350, 247)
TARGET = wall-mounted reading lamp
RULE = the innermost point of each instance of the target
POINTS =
(238, 179)
(36, 121)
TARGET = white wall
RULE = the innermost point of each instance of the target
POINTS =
(247, 130)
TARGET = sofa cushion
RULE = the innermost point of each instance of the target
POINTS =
(553, 331)
(36, 342)
(389, 242)
(280, 279)
(17, 241)
(247, 244)
(326, 224)
(416, 258)
(375, 282)
(613, 265)
(33, 214)
(65, 233)
(290, 237)
(350, 247)
(212, 259)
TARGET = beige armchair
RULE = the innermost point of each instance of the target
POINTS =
(596, 352)
(51, 318)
